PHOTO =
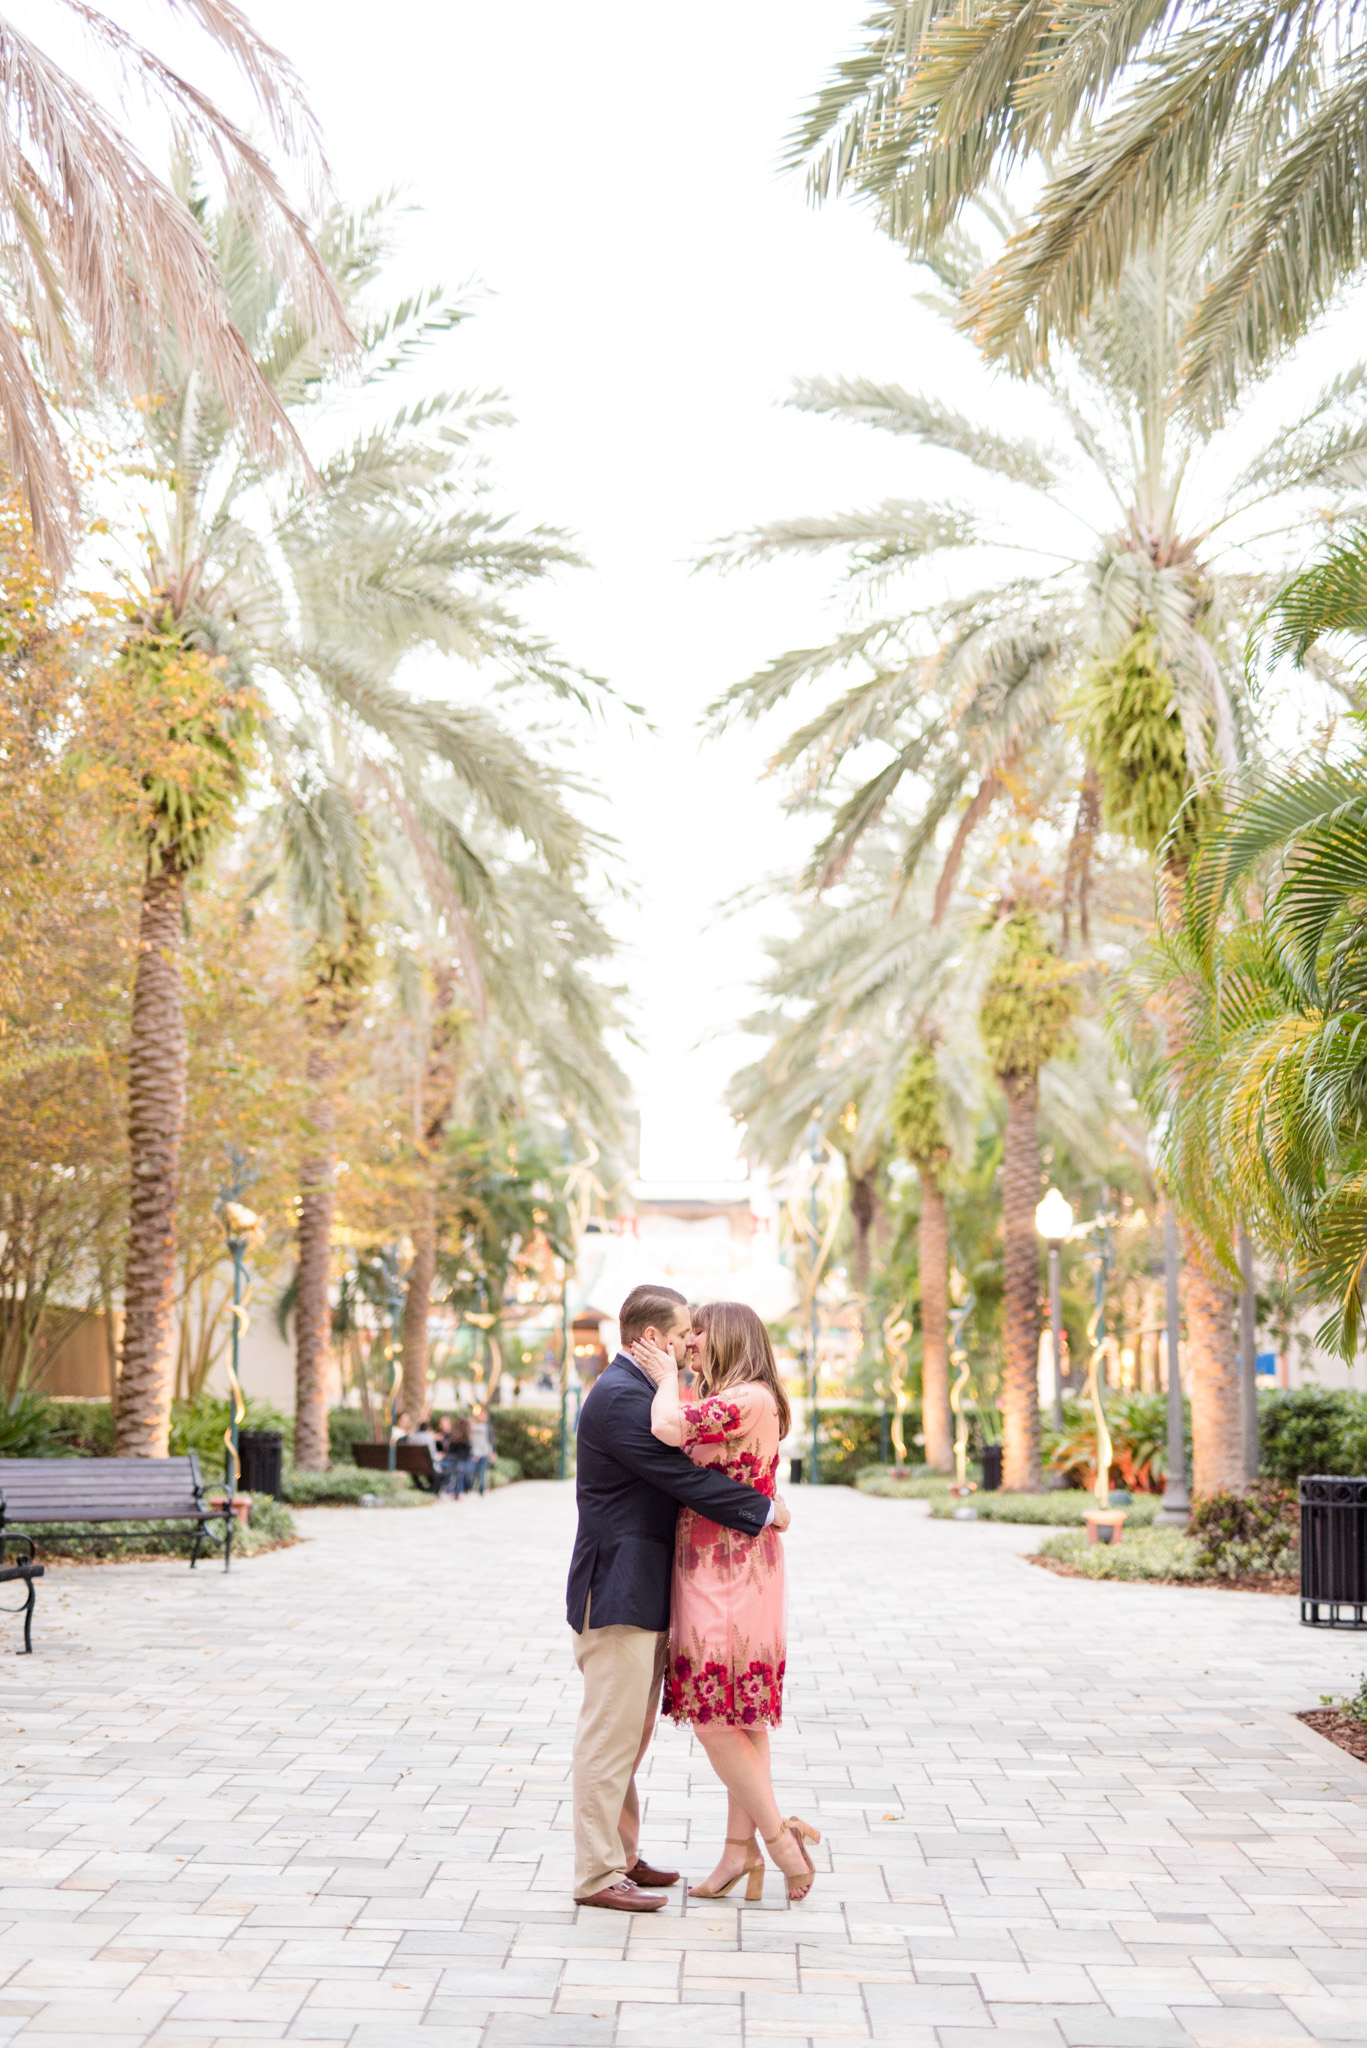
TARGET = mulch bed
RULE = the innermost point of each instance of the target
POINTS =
(1252, 1582)
(1339, 1728)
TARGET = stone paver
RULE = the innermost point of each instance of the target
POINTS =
(325, 1799)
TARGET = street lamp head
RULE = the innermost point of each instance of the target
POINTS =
(1054, 1217)
(240, 1221)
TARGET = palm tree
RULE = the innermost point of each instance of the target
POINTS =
(1112, 665)
(919, 1126)
(513, 1030)
(1265, 1114)
(337, 973)
(858, 996)
(279, 615)
(1026, 1012)
(1254, 112)
(1129, 560)
(101, 253)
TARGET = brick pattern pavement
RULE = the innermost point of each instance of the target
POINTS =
(325, 1799)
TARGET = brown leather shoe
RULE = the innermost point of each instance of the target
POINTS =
(641, 1873)
(625, 1897)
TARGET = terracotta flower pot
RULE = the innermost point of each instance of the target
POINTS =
(242, 1505)
(1104, 1525)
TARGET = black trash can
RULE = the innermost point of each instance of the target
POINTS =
(795, 1471)
(992, 1468)
(261, 1452)
(1333, 1553)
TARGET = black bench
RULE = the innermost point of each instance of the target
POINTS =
(414, 1459)
(27, 1572)
(104, 1492)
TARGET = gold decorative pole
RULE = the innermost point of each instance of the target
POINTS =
(958, 1358)
(896, 1337)
(1103, 1516)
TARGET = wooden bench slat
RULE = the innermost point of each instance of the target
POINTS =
(99, 1490)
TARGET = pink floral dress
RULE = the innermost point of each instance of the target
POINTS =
(728, 1607)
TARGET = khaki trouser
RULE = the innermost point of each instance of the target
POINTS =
(623, 1669)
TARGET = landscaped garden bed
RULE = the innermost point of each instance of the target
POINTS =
(1243, 1542)
(1342, 1721)
(1338, 1728)
(1161, 1557)
(1065, 1509)
(270, 1526)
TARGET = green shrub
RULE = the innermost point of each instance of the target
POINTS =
(83, 1429)
(1066, 1509)
(531, 1437)
(269, 1526)
(1138, 1427)
(342, 1486)
(504, 1471)
(1352, 1704)
(346, 1426)
(1237, 1533)
(200, 1425)
(1143, 1554)
(1309, 1430)
(26, 1428)
(270, 1523)
(850, 1439)
(910, 1482)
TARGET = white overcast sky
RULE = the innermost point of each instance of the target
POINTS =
(650, 288)
(609, 174)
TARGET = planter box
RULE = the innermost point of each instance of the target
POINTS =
(1104, 1525)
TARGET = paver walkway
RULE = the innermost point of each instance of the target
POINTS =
(325, 1799)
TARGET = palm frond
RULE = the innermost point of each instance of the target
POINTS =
(862, 401)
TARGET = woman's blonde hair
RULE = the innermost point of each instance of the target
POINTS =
(736, 1352)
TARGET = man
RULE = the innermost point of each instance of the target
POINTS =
(630, 1487)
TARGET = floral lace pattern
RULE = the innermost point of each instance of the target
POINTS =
(721, 1691)
(727, 1651)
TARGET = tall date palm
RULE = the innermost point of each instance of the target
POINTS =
(98, 253)
(289, 609)
(1256, 111)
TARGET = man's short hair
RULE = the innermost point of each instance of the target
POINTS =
(648, 1308)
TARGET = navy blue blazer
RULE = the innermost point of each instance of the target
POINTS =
(629, 1488)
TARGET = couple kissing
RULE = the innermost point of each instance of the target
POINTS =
(676, 1595)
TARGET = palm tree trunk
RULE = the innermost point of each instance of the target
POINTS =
(1021, 1471)
(156, 1121)
(863, 1208)
(438, 1101)
(417, 1302)
(1211, 1360)
(313, 1308)
(932, 1248)
(1217, 1445)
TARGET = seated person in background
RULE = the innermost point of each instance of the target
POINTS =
(425, 1436)
(454, 1438)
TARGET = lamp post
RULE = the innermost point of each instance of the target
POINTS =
(1054, 1222)
(814, 1224)
(389, 1267)
(1176, 1508)
(238, 1224)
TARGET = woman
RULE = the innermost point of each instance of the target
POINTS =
(481, 1446)
(727, 1606)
